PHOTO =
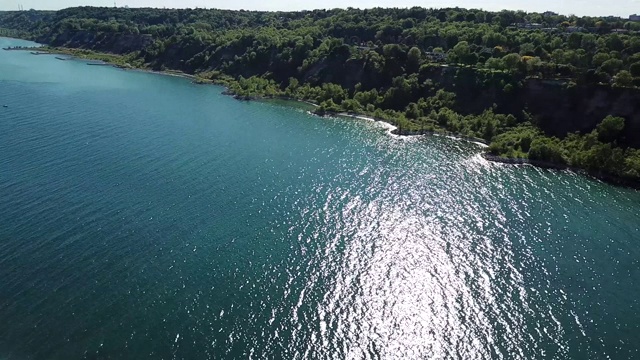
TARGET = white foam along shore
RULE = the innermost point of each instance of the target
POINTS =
(389, 127)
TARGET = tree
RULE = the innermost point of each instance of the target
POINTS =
(351, 105)
(471, 17)
(532, 63)
(612, 66)
(623, 79)
(599, 58)
(412, 111)
(511, 61)
(461, 52)
(493, 39)
(293, 86)
(489, 131)
(615, 43)
(632, 163)
(527, 49)
(546, 149)
(610, 128)
(588, 42)
(604, 157)
(575, 40)
(414, 58)
(494, 63)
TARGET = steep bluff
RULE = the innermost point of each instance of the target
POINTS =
(117, 43)
(560, 109)
(557, 107)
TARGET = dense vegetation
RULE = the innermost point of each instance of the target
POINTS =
(469, 72)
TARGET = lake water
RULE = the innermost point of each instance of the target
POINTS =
(142, 216)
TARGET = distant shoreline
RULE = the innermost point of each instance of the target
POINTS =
(72, 56)
(391, 128)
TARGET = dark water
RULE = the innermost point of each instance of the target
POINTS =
(142, 216)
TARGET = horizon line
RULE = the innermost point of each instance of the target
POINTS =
(316, 9)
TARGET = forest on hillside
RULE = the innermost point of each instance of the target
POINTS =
(547, 87)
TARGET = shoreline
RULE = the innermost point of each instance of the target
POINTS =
(391, 129)
(101, 62)
(604, 177)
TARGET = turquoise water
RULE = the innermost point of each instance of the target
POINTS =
(142, 216)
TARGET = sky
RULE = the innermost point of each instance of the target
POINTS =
(578, 7)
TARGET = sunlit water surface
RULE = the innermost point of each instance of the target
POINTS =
(142, 216)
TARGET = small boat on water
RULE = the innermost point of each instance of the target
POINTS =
(61, 58)
(5, 106)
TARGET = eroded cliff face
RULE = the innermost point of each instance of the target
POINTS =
(117, 43)
(348, 73)
(557, 107)
(560, 109)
